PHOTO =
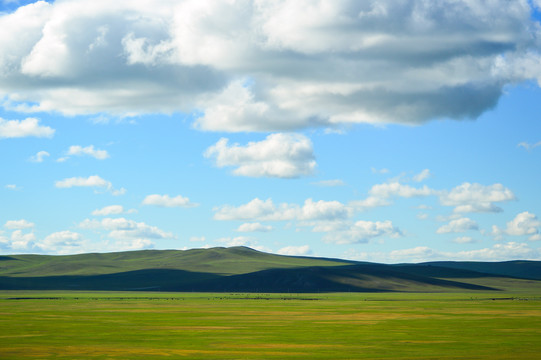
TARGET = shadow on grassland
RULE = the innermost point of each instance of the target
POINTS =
(138, 280)
(354, 278)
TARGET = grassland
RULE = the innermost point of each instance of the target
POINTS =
(151, 325)
(241, 269)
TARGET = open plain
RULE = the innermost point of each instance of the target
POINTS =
(143, 325)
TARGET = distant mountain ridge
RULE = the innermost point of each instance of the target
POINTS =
(242, 269)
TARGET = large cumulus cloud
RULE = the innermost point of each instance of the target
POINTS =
(268, 65)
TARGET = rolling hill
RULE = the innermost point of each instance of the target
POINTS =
(241, 269)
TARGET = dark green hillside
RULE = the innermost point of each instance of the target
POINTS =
(241, 269)
(355, 278)
(519, 268)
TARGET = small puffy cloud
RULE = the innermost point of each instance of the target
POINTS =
(24, 128)
(243, 241)
(77, 150)
(392, 189)
(91, 181)
(238, 241)
(323, 210)
(167, 201)
(458, 225)
(295, 250)
(279, 155)
(267, 211)
(125, 229)
(22, 241)
(529, 146)
(17, 241)
(330, 183)
(476, 197)
(358, 233)
(464, 240)
(422, 175)
(255, 209)
(39, 157)
(118, 192)
(112, 210)
(18, 224)
(129, 244)
(253, 227)
(62, 242)
(12, 187)
(524, 223)
(369, 203)
(94, 181)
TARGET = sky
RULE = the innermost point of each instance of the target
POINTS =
(384, 131)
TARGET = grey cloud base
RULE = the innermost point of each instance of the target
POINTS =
(268, 65)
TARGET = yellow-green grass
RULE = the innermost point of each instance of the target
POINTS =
(136, 325)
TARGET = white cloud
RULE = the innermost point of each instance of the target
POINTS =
(458, 225)
(17, 241)
(464, 240)
(129, 244)
(242, 241)
(524, 223)
(12, 187)
(24, 128)
(62, 242)
(253, 227)
(423, 175)
(77, 150)
(118, 192)
(18, 224)
(499, 252)
(529, 146)
(535, 237)
(255, 209)
(267, 211)
(170, 56)
(369, 203)
(112, 210)
(238, 241)
(392, 189)
(167, 201)
(39, 157)
(91, 181)
(295, 250)
(279, 155)
(21, 241)
(476, 197)
(330, 183)
(125, 229)
(358, 233)
(94, 181)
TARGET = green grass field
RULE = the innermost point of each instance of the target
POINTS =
(138, 325)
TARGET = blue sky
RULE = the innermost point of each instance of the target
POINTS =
(367, 130)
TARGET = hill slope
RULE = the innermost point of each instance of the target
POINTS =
(222, 261)
(241, 269)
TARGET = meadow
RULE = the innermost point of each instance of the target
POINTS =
(147, 325)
